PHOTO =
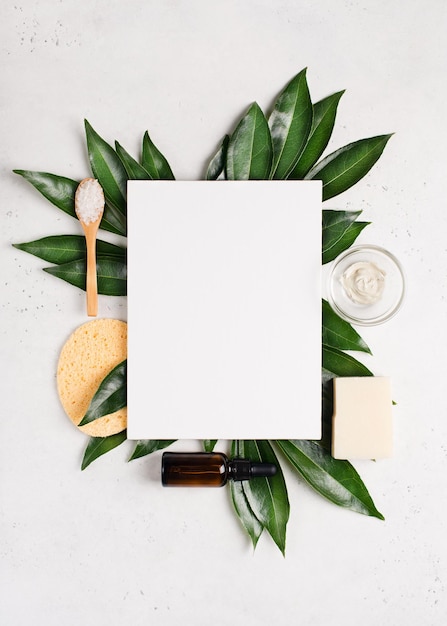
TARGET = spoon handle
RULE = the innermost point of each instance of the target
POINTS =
(91, 281)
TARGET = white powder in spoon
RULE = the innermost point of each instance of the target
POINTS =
(89, 200)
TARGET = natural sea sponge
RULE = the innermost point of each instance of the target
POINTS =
(89, 354)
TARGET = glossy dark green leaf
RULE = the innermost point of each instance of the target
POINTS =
(59, 190)
(65, 248)
(209, 444)
(327, 409)
(340, 230)
(107, 168)
(111, 272)
(97, 446)
(267, 497)
(351, 234)
(290, 123)
(134, 170)
(113, 220)
(110, 396)
(343, 168)
(217, 164)
(323, 121)
(337, 363)
(339, 334)
(249, 154)
(147, 446)
(244, 512)
(248, 519)
(154, 162)
(336, 480)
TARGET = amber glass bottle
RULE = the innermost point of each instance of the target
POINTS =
(208, 469)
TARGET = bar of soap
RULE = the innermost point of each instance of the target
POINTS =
(362, 418)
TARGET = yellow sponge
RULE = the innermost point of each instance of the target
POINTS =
(89, 354)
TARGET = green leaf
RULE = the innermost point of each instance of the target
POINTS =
(351, 234)
(249, 154)
(209, 444)
(60, 249)
(267, 497)
(337, 363)
(217, 163)
(154, 162)
(97, 446)
(340, 230)
(327, 409)
(59, 190)
(111, 273)
(113, 220)
(290, 123)
(339, 334)
(110, 396)
(334, 479)
(243, 511)
(343, 168)
(134, 170)
(323, 121)
(108, 169)
(147, 446)
(241, 506)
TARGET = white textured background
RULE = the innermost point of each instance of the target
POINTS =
(108, 546)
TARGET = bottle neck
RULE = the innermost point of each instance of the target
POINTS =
(244, 469)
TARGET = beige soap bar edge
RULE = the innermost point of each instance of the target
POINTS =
(362, 418)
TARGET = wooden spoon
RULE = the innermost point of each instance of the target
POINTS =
(89, 207)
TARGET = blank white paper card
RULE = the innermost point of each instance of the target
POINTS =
(224, 310)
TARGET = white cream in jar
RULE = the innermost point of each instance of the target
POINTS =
(363, 282)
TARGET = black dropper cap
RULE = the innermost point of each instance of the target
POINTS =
(243, 469)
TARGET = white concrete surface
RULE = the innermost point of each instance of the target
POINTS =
(108, 546)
